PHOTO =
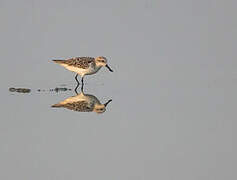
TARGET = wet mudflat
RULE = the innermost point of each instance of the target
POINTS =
(173, 91)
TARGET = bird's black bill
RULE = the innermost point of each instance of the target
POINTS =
(109, 68)
(108, 102)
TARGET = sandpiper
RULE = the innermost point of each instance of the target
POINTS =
(83, 103)
(84, 65)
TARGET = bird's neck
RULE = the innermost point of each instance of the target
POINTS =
(97, 68)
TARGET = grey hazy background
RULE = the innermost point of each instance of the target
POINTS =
(173, 114)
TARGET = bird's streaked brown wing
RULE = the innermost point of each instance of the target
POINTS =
(80, 62)
(81, 106)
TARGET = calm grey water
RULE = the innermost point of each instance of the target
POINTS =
(173, 114)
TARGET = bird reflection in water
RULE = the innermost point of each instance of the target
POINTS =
(82, 103)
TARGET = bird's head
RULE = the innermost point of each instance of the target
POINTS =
(102, 61)
(101, 108)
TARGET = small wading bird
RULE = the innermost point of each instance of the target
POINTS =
(83, 103)
(84, 65)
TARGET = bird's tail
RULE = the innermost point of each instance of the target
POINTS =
(59, 61)
(57, 105)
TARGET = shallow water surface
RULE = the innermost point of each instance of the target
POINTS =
(173, 90)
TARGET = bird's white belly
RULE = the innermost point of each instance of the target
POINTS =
(82, 71)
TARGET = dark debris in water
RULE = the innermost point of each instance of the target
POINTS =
(20, 90)
(26, 90)
(57, 89)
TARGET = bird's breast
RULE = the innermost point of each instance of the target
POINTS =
(92, 70)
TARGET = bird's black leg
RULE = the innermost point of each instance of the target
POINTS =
(82, 84)
(82, 87)
(77, 79)
(77, 84)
